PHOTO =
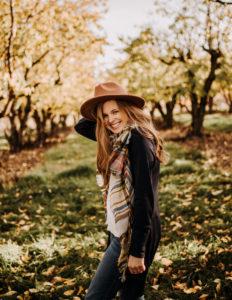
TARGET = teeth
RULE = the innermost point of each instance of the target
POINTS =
(115, 125)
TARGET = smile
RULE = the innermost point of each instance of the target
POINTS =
(116, 125)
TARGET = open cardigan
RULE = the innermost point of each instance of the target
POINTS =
(145, 168)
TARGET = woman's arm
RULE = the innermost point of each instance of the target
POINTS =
(86, 128)
(142, 161)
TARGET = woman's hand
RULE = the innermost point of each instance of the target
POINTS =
(136, 265)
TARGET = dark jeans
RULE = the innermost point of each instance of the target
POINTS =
(106, 283)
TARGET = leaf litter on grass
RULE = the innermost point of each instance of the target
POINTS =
(55, 216)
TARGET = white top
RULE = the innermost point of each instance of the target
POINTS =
(121, 226)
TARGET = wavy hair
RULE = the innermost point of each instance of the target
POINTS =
(144, 125)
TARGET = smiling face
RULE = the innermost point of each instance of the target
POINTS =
(115, 119)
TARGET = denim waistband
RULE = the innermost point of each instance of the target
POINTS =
(112, 236)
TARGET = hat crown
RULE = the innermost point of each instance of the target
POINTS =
(109, 88)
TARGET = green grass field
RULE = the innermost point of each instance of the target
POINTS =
(53, 233)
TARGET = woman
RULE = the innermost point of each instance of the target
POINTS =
(129, 152)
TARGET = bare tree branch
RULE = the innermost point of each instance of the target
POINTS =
(35, 63)
(32, 12)
(8, 49)
(222, 2)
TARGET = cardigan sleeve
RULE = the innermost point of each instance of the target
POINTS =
(142, 160)
(86, 128)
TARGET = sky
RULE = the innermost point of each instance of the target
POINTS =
(124, 18)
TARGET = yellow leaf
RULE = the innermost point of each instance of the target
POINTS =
(10, 293)
(80, 290)
(49, 271)
(155, 287)
(229, 278)
(166, 261)
(192, 290)
(225, 239)
(22, 222)
(92, 254)
(25, 258)
(68, 292)
(203, 297)
(102, 242)
(70, 281)
(154, 281)
(215, 193)
(33, 291)
(58, 279)
(218, 286)
(198, 226)
(180, 286)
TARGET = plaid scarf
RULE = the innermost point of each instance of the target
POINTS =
(121, 193)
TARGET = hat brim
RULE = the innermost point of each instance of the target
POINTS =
(88, 108)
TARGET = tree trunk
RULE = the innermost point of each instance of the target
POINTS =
(230, 108)
(151, 113)
(169, 107)
(210, 104)
(169, 114)
(198, 109)
(228, 97)
(13, 136)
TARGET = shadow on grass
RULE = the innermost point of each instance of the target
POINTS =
(82, 171)
(37, 206)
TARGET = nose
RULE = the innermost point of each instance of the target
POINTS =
(111, 118)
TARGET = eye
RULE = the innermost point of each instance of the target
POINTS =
(115, 112)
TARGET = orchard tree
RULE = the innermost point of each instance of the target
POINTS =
(224, 81)
(47, 58)
(143, 73)
(198, 38)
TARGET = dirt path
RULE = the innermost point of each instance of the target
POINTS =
(13, 166)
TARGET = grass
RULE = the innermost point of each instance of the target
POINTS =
(53, 233)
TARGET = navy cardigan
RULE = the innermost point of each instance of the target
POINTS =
(145, 167)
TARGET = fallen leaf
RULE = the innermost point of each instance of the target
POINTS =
(155, 287)
(10, 293)
(203, 297)
(58, 279)
(166, 261)
(49, 271)
(215, 193)
(33, 291)
(218, 286)
(70, 281)
(180, 286)
(192, 290)
(68, 292)
(25, 258)
(80, 290)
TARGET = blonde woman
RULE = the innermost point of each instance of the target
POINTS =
(129, 152)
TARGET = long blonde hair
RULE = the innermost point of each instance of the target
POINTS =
(135, 116)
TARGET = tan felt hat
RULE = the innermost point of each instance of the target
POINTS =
(108, 91)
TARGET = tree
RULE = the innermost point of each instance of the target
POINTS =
(47, 58)
(144, 74)
(224, 81)
(198, 42)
